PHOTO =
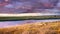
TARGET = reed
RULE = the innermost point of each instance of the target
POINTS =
(33, 28)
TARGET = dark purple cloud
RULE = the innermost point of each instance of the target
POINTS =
(26, 6)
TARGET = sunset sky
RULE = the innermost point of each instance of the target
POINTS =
(21, 6)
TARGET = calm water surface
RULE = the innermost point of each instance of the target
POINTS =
(13, 23)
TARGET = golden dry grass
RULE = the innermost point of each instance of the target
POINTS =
(33, 28)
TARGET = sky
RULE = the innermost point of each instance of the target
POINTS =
(21, 6)
(12, 2)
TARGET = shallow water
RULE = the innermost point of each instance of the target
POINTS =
(13, 23)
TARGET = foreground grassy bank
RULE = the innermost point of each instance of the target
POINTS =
(33, 28)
